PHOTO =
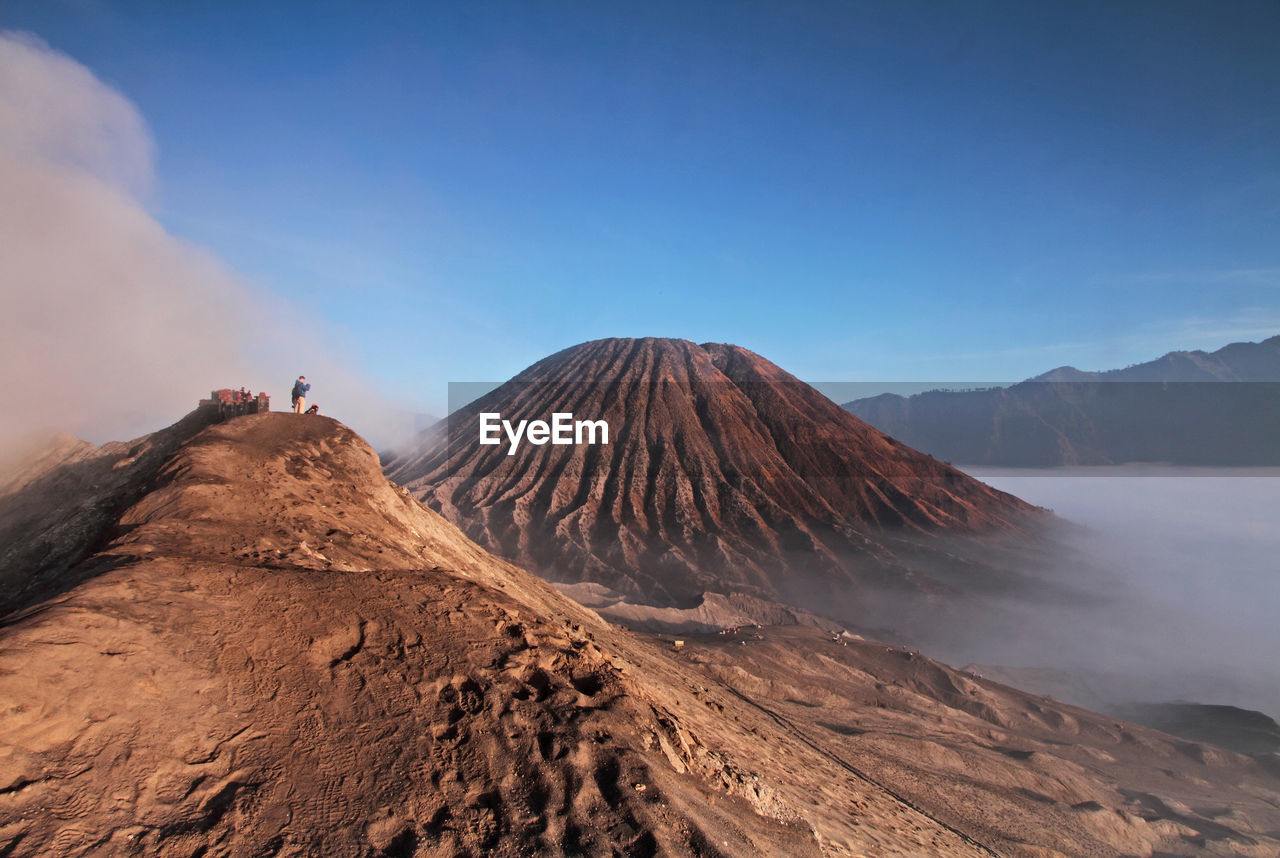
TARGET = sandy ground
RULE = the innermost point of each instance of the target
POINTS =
(270, 650)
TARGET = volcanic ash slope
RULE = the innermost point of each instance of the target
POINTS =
(723, 474)
(276, 652)
(267, 649)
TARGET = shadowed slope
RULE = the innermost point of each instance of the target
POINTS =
(59, 499)
(861, 472)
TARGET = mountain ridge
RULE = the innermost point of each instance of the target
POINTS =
(1237, 361)
(1191, 408)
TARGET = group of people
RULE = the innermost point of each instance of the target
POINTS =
(300, 389)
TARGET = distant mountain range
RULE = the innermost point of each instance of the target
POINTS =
(1187, 408)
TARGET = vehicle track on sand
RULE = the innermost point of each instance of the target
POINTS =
(789, 725)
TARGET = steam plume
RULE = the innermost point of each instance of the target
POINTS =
(109, 326)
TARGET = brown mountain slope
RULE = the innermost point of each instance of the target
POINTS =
(286, 655)
(276, 652)
(1017, 773)
(723, 474)
(58, 497)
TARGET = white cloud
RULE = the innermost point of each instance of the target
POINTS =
(52, 109)
(110, 326)
(1185, 558)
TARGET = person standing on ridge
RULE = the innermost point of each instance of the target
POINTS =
(300, 388)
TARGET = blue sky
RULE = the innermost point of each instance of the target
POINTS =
(858, 191)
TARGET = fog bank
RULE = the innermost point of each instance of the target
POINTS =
(1187, 564)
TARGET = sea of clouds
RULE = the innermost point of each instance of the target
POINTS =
(1185, 567)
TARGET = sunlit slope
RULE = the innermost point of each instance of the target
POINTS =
(723, 474)
(276, 652)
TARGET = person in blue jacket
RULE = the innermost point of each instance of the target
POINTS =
(300, 388)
